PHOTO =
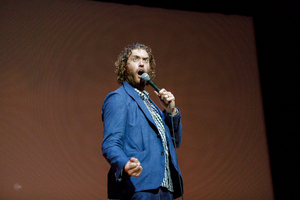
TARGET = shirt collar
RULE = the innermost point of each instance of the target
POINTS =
(143, 94)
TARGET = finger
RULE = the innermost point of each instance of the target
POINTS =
(129, 166)
(131, 171)
(167, 94)
(162, 90)
(137, 172)
(134, 171)
(133, 166)
(132, 163)
(170, 98)
(136, 161)
(164, 96)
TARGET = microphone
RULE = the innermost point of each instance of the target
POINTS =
(148, 80)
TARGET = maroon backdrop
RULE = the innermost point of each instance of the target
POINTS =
(57, 66)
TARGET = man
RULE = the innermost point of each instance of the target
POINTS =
(137, 140)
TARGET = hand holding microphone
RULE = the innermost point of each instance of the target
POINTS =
(167, 99)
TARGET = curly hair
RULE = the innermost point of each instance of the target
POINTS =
(121, 63)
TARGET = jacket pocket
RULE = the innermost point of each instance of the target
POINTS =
(134, 139)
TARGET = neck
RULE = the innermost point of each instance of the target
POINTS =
(141, 88)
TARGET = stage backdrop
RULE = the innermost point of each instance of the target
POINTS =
(57, 66)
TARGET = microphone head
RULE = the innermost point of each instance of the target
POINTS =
(145, 77)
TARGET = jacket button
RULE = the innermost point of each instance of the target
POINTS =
(162, 153)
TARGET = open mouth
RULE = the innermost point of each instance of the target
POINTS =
(140, 72)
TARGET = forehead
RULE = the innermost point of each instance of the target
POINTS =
(139, 52)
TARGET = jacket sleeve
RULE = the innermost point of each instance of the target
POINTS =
(174, 122)
(114, 114)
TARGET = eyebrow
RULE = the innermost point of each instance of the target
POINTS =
(134, 55)
(137, 55)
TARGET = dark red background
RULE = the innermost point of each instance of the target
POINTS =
(57, 65)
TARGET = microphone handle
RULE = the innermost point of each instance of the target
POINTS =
(153, 85)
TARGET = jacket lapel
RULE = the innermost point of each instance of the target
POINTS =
(134, 95)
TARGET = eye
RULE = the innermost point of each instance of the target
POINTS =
(146, 60)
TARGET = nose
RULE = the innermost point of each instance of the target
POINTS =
(141, 63)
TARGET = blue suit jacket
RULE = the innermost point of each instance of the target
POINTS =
(130, 131)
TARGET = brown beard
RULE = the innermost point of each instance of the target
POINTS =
(130, 79)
